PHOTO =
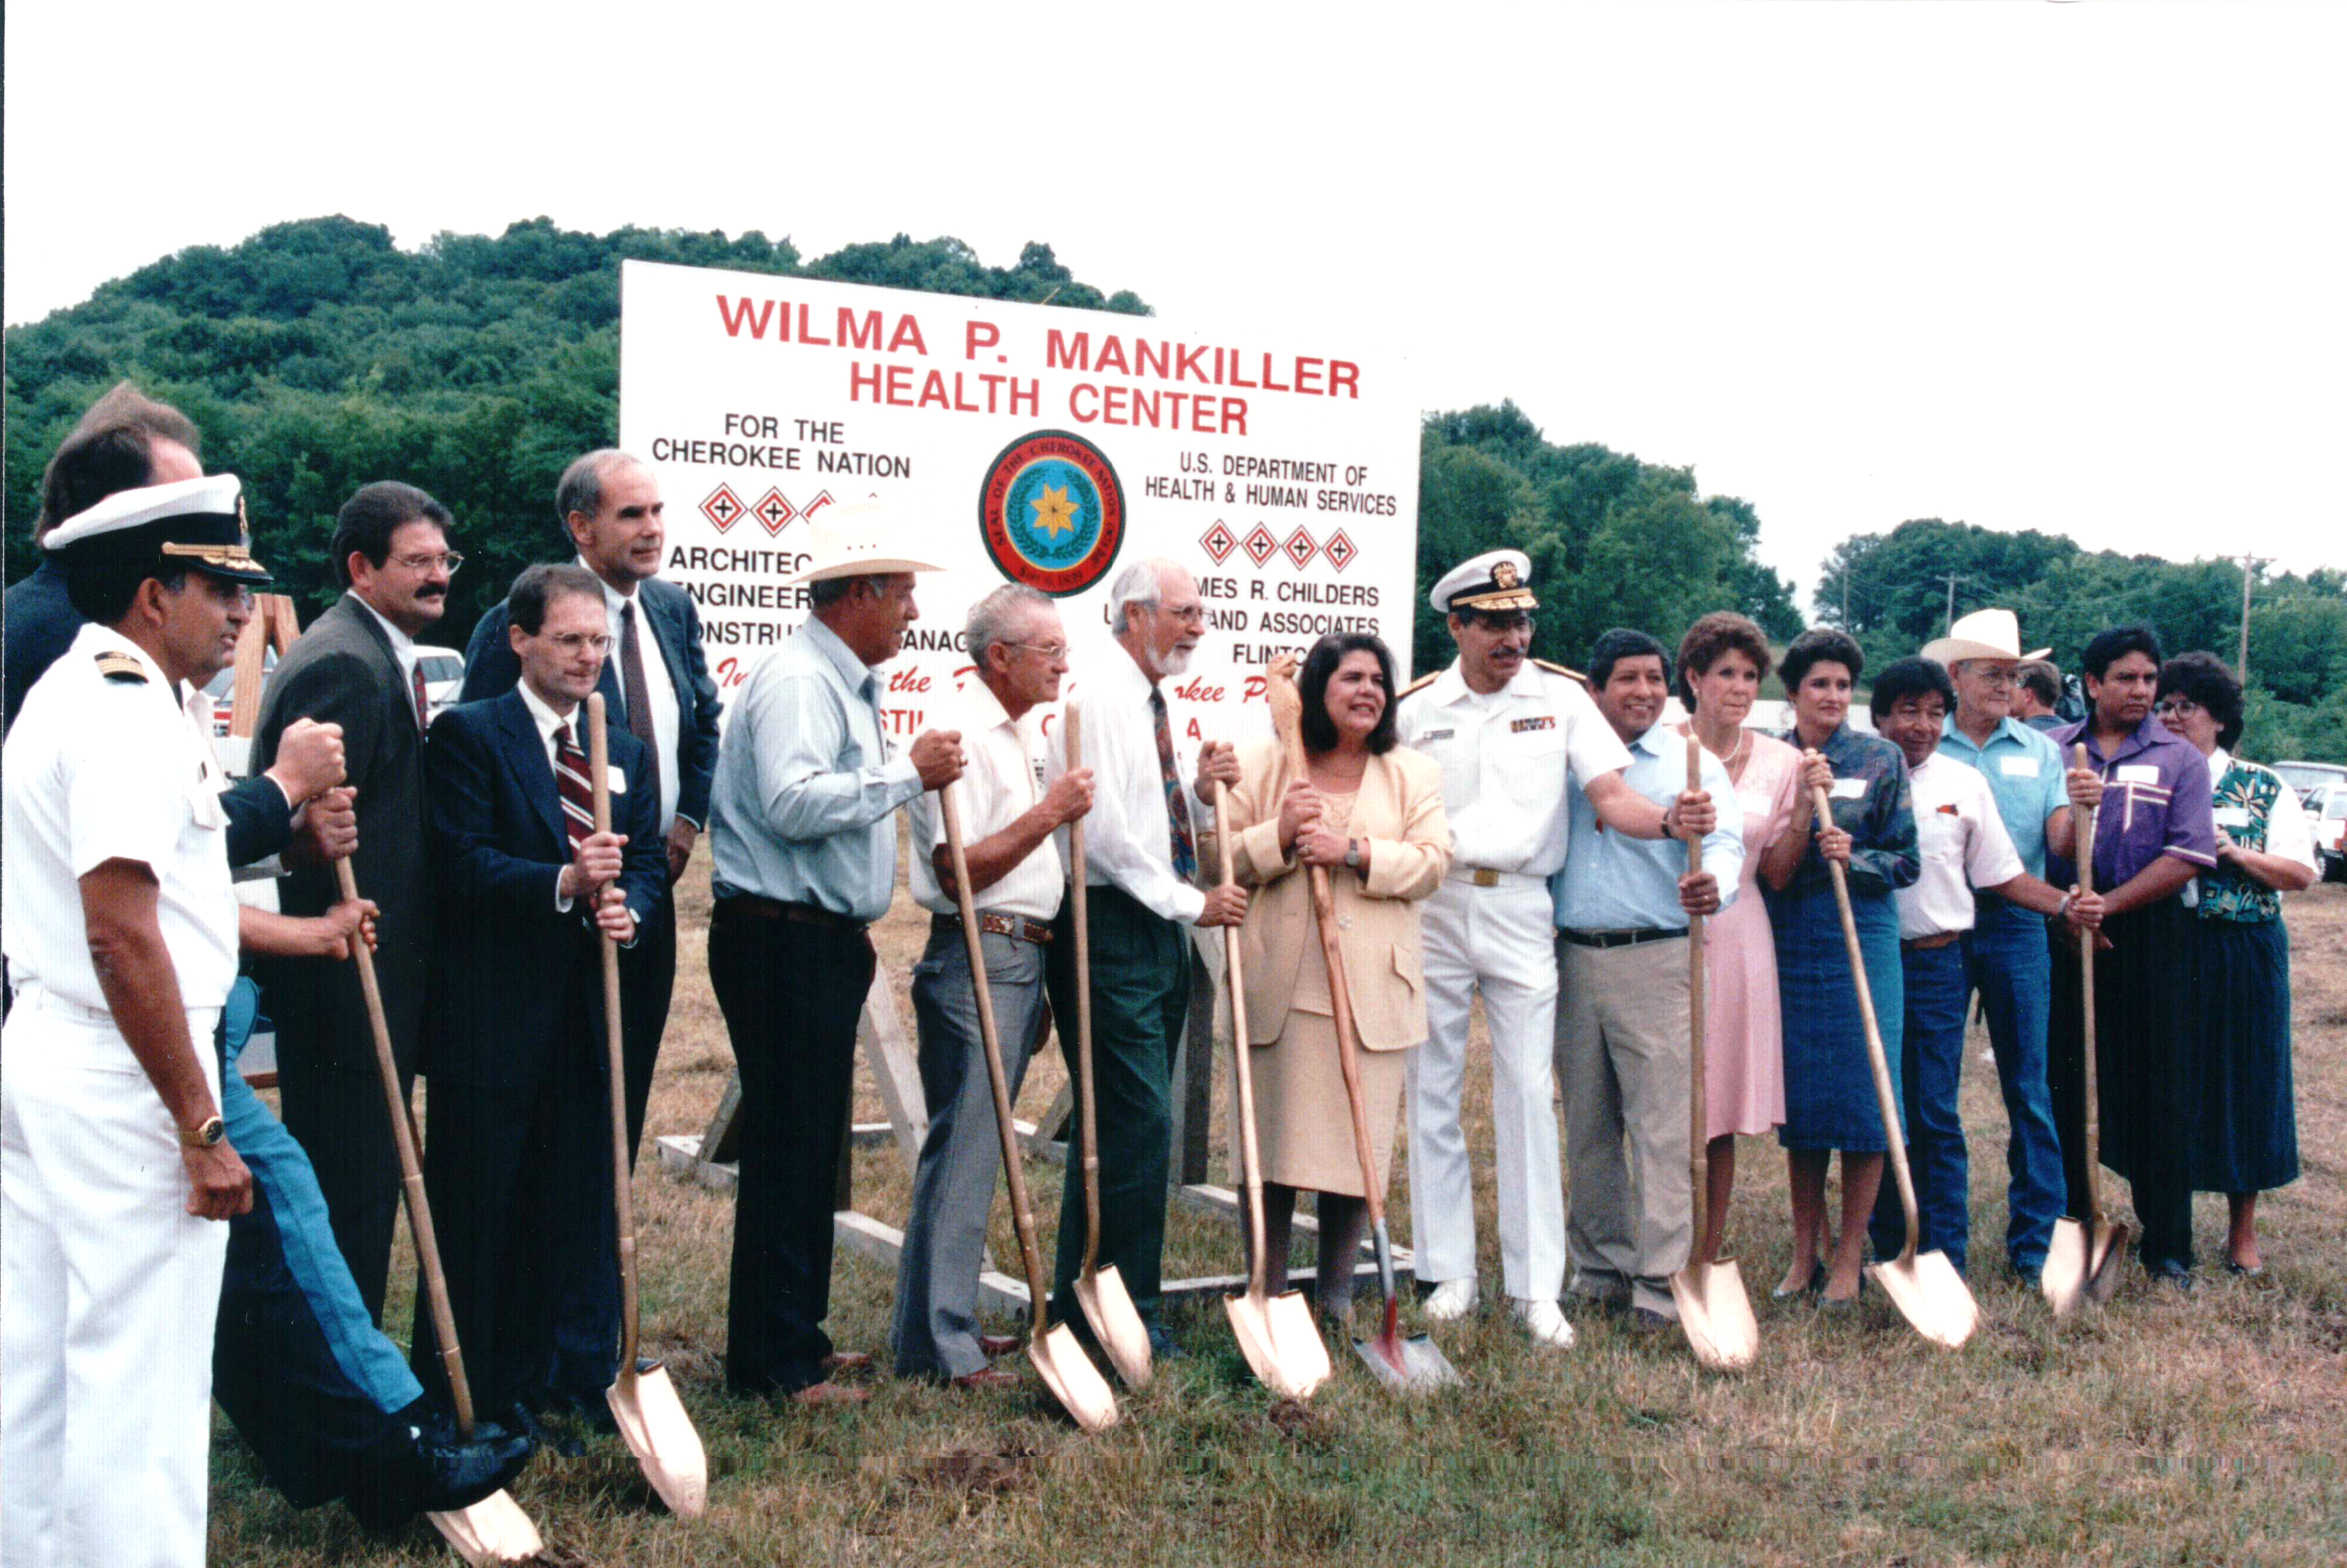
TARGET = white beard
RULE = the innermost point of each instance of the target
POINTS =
(1176, 662)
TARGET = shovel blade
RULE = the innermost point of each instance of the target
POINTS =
(1931, 1294)
(1715, 1314)
(2064, 1281)
(2104, 1257)
(494, 1530)
(1115, 1323)
(651, 1418)
(1281, 1346)
(1074, 1381)
(1407, 1366)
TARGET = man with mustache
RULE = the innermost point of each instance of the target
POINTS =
(355, 666)
(1509, 732)
(1141, 859)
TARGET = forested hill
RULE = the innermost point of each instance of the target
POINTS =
(316, 356)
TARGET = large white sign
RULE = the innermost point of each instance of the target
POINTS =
(1023, 443)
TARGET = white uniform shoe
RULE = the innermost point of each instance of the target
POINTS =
(1545, 1321)
(1452, 1300)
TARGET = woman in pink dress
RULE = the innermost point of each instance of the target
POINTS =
(1721, 660)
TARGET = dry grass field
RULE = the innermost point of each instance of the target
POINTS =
(2200, 1429)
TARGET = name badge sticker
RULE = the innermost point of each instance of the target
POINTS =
(1756, 805)
(1848, 789)
(619, 779)
(2017, 767)
(2232, 818)
(2138, 774)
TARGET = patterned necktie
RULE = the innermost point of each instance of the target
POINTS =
(423, 703)
(639, 696)
(1177, 806)
(570, 779)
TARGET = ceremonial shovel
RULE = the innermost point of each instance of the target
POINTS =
(643, 1401)
(1074, 1381)
(2082, 1262)
(1927, 1289)
(1414, 1364)
(494, 1530)
(1107, 1304)
(1274, 1332)
(1713, 1309)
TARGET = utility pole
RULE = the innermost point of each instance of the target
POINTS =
(1954, 578)
(2249, 563)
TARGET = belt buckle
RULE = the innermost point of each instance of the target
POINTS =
(1486, 877)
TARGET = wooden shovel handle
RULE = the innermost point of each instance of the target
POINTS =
(1242, 1068)
(1885, 1097)
(623, 1197)
(2084, 856)
(1698, 1111)
(1079, 915)
(411, 1173)
(1022, 1214)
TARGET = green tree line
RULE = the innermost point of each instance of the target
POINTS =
(1892, 591)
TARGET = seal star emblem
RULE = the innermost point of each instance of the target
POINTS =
(1054, 513)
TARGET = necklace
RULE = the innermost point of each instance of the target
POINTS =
(1733, 758)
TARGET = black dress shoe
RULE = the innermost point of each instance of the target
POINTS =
(519, 1418)
(2168, 1272)
(455, 1472)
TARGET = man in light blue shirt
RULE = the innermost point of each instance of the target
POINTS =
(2006, 959)
(1622, 907)
(803, 829)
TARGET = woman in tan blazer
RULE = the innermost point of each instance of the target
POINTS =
(1370, 812)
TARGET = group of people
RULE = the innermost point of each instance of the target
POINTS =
(1503, 828)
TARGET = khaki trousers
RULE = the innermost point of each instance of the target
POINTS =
(1622, 1057)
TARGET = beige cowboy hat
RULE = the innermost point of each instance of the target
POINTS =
(1983, 634)
(858, 540)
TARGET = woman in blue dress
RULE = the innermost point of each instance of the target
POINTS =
(1830, 1098)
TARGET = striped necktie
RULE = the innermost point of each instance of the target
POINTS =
(570, 779)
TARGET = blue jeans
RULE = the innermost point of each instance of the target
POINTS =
(1932, 1072)
(2007, 962)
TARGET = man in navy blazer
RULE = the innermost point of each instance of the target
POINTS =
(656, 685)
(518, 1161)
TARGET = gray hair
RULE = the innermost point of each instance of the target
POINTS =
(993, 619)
(1141, 583)
(581, 488)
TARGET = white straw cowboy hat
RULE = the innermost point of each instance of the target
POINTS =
(860, 541)
(1983, 634)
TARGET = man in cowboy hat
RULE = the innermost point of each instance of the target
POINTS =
(1510, 733)
(802, 828)
(2006, 959)
(119, 922)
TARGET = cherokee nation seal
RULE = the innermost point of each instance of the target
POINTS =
(1051, 512)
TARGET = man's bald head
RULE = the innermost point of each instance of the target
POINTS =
(126, 440)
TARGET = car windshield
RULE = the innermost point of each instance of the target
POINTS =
(441, 667)
(2336, 805)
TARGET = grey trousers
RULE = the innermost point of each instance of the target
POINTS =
(935, 1332)
(1622, 1056)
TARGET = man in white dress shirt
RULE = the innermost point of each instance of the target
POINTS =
(1018, 882)
(1509, 732)
(1142, 856)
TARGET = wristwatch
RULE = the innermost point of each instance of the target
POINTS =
(1353, 853)
(204, 1134)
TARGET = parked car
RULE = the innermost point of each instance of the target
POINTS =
(2328, 806)
(2308, 777)
(443, 677)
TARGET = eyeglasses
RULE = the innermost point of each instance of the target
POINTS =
(449, 559)
(1994, 679)
(1188, 614)
(1053, 651)
(580, 642)
(2177, 708)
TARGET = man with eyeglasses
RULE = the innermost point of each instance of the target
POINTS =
(355, 666)
(1010, 819)
(2006, 960)
(517, 1156)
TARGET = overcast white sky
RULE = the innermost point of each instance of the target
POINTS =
(2067, 266)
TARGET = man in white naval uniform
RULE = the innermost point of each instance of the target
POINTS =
(120, 928)
(1508, 731)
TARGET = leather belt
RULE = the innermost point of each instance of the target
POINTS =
(1925, 943)
(1484, 876)
(1619, 939)
(763, 908)
(1017, 927)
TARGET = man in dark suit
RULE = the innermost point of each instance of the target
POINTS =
(657, 686)
(518, 1159)
(355, 666)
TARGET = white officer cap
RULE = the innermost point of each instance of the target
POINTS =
(1495, 581)
(198, 523)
